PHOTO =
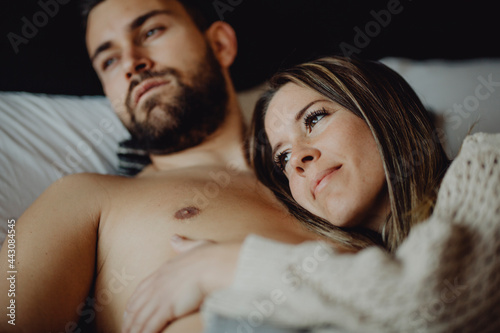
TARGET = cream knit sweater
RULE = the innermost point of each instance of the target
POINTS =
(444, 278)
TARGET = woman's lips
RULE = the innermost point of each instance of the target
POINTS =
(321, 180)
(146, 86)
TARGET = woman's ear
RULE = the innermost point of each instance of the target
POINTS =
(222, 39)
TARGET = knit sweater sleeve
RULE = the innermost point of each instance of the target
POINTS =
(445, 276)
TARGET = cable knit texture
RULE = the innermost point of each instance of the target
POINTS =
(445, 277)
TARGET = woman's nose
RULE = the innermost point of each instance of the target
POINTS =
(302, 159)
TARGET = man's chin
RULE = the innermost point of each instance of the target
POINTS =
(154, 118)
(157, 117)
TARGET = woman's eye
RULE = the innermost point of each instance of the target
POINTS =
(282, 159)
(313, 118)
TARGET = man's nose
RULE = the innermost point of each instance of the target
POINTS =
(303, 158)
(136, 62)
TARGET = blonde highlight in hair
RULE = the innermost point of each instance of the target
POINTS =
(413, 158)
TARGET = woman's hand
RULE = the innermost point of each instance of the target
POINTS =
(180, 285)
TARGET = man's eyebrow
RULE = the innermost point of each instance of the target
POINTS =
(298, 116)
(132, 26)
(143, 18)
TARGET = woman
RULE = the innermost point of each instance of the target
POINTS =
(397, 145)
(349, 148)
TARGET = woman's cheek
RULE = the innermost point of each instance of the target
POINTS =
(300, 194)
(296, 193)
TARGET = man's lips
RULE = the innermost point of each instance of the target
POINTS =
(321, 179)
(146, 86)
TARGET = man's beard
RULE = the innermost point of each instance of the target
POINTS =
(186, 116)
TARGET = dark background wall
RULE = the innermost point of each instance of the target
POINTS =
(272, 34)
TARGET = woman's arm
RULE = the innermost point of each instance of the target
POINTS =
(180, 285)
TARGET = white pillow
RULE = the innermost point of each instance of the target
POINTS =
(43, 138)
(462, 92)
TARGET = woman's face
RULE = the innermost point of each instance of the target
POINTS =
(329, 156)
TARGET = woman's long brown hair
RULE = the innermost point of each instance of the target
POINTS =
(409, 144)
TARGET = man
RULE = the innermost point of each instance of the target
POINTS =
(85, 245)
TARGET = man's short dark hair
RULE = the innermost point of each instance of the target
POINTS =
(200, 11)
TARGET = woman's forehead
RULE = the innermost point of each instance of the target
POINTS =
(286, 103)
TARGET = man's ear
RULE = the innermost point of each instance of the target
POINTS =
(222, 39)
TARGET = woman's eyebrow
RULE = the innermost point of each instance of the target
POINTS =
(301, 112)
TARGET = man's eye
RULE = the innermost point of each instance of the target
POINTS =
(313, 118)
(282, 159)
(108, 62)
(153, 31)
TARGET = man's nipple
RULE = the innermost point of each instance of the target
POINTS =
(186, 213)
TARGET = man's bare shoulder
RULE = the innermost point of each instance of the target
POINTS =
(85, 182)
(83, 189)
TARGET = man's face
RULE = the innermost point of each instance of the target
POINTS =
(158, 71)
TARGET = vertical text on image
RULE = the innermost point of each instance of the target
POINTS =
(11, 272)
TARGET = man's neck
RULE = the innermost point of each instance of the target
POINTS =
(224, 147)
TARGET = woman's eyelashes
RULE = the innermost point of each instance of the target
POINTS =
(311, 119)
(281, 159)
(314, 117)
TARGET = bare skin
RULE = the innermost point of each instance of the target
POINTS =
(100, 236)
(119, 229)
